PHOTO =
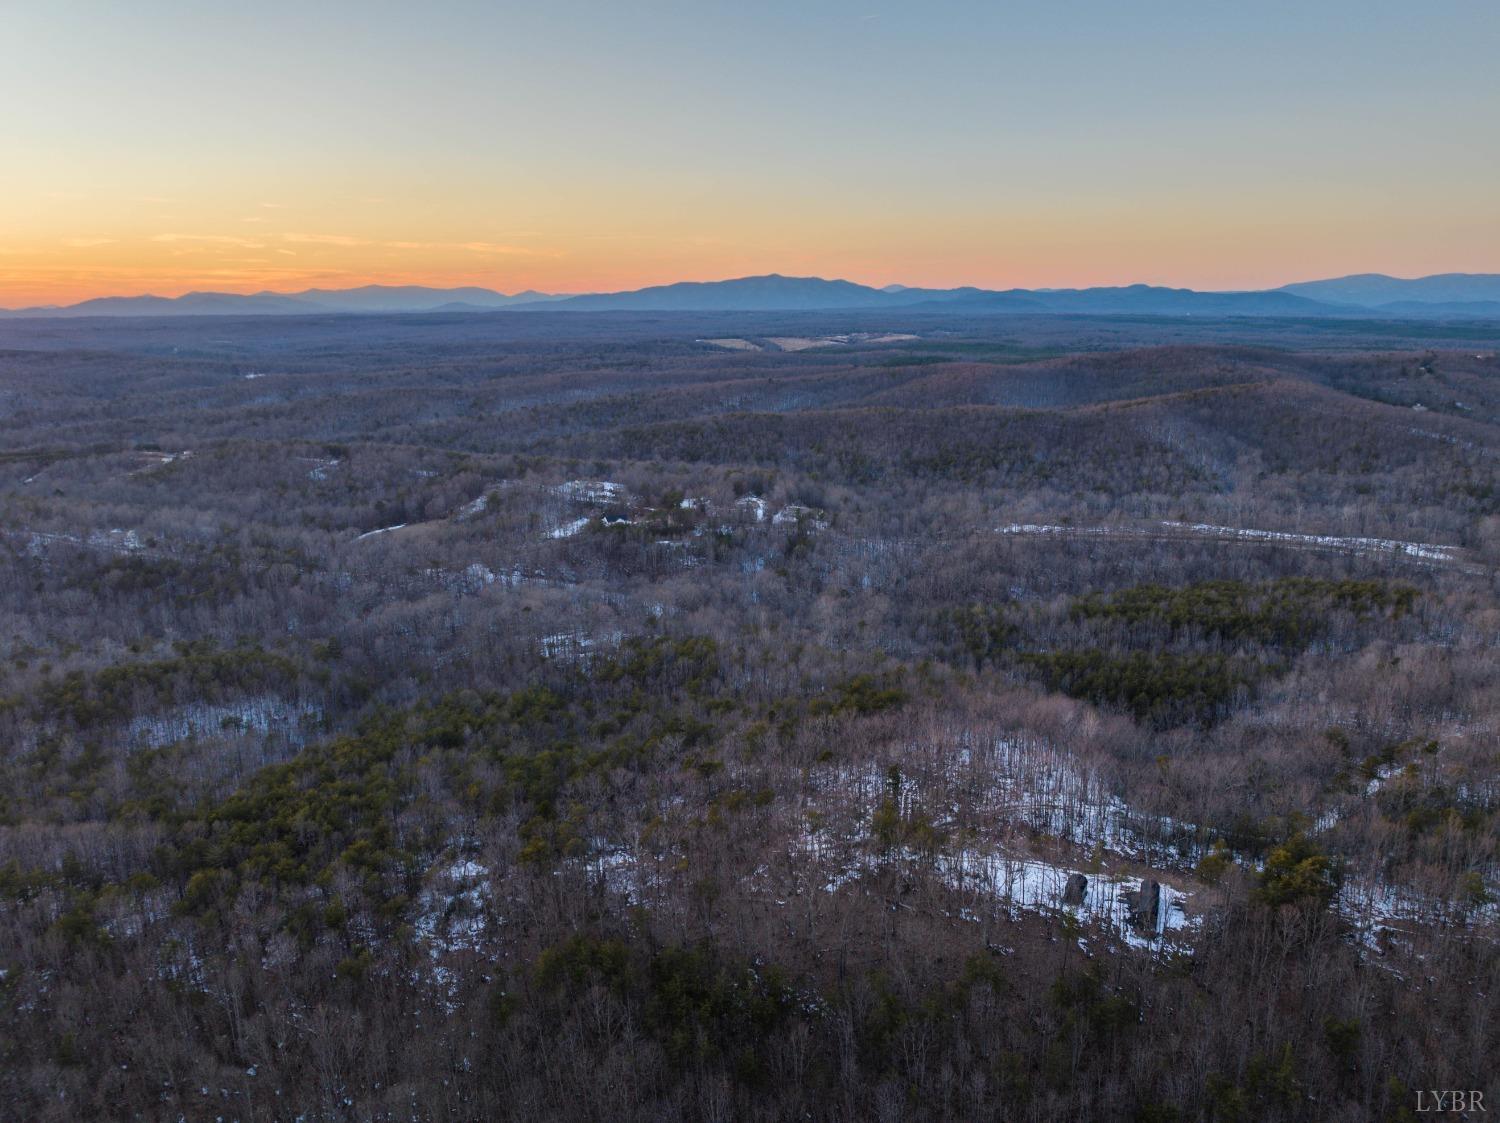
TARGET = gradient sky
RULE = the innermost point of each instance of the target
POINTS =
(154, 146)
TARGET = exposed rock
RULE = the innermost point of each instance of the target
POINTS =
(1145, 906)
(1074, 891)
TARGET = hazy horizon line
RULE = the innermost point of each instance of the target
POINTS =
(395, 282)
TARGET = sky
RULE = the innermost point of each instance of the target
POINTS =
(591, 145)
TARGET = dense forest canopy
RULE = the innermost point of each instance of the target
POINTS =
(755, 716)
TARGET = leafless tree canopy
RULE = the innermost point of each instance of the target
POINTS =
(530, 717)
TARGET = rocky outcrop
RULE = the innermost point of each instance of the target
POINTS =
(1073, 892)
(1145, 906)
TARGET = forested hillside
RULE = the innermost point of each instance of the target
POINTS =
(676, 716)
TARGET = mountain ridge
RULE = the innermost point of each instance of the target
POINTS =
(1442, 296)
(1373, 290)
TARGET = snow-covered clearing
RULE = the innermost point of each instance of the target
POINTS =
(1358, 545)
(1031, 885)
(806, 343)
(1023, 795)
(731, 344)
(1068, 531)
(568, 529)
(755, 505)
(1425, 551)
(592, 491)
(382, 530)
(801, 343)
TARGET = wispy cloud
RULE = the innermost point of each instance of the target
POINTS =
(211, 239)
(500, 248)
(327, 240)
(87, 243)
(493, 248)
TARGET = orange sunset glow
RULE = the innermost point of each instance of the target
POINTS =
(290, 149)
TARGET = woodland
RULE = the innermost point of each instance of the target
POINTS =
(747, 717)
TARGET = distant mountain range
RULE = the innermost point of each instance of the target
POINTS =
(1445, 296)
(309, 302)
(1376, 290)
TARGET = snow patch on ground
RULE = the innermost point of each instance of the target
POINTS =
(1052, 793)
(1426, 551)
(569, 529)
(157, 460)
(475, 507)
(453, 916)
(794, 513)
(1030, 785)
(106, 541)
(1032, 885)
(731, 344)
(800, 343)
(1022, 884)
(1379, 911)
(265, 716)
(807, 343)
(476, 576)
(1045, 528)
(1388, 545)
(577, 647)
(755, 505)
(320, 467)
(451, 911)
(1382, 774)
(592, 491)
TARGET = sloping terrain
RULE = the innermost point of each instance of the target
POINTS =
(1041, 719)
